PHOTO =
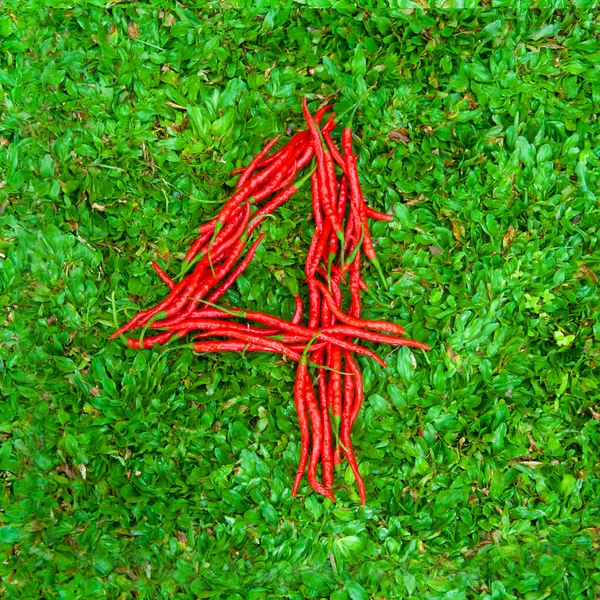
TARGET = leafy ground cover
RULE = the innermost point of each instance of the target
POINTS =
(160, 474)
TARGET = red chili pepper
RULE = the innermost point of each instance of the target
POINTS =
(234, 346)
(330, 125)
(353, 332)
(355, 252)
(316, 203)
(198, 293)
(351, 229)
(360, 323)
(179, 296)
(357, 198)
(255, 162)
(347, 402)
(322, 171)
(342, 198)
(314, 304)
(321, 229)
(320, 248)
(210, 325)
(145, 315)
(238, 335)
(254, 183)
(330, 257)
(316, 422)
(355, 303)
(315, 251)
(316, 346)
(321, 111)
(273, 185)
(197, 245)
(299, 138)
(196, 285)
(299, 401)
(209, 226)
(163, 276)
(337, 157)
(275, 322)
(202, 244)
(150, 341)
(359, 392)
(297, 318)
(205, 313)
(378, 216)
(330, 183)
(305, 157)
(282, 179)
(346, 444)
(326, 454)
(335, 389)
(326, 317)
(373, 336)
(336, 294)
(348, 385)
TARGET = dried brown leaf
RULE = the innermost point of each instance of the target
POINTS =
(587, 271)
(510, 235)
(133, 31)
(399, 135)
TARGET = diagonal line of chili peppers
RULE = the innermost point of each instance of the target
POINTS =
(328, 410)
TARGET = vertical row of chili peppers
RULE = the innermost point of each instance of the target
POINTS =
(329, 396)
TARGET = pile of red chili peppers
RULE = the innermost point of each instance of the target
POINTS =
(326, 411)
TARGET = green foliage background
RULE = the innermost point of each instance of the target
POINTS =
(160, 474)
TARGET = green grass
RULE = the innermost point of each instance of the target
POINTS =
(160, 474)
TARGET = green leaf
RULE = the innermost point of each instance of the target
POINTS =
(315, 581)
(491, 30)
(10, 535)
(349, 545)
(356, 591)
(359, 62)
(404, 364)
(544, 32)
(47, 167)
(567, 485)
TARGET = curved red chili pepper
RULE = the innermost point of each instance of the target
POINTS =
(297, 318)
(162, 275)
(299, 401)
(378, 216)
(151, 340)
(316, 422)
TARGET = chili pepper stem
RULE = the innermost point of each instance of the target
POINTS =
(186, 266)
(330, 260)
(356, 250)
(157, 317)
(377, 265)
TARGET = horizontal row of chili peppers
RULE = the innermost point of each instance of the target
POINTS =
(328, 401)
